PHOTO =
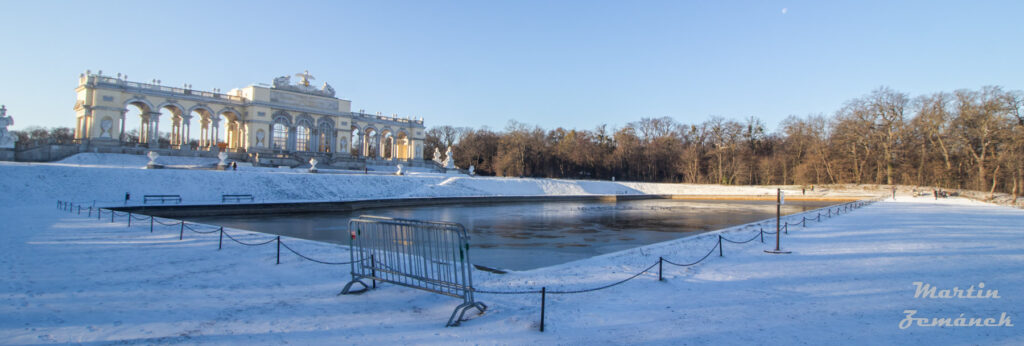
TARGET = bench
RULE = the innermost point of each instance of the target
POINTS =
(161, 198)
(236, 198)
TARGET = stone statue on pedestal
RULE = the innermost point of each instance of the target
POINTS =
(449, 162)
(312, 165)
(6, 138)
(222, 156)
(152, 155)
(472, 170)
(437, 155)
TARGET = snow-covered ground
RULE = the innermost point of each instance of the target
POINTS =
(69, 278)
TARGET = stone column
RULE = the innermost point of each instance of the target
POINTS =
(290, 146)
(154, 127)
(214, 133)
(124, 118)
(187, 119)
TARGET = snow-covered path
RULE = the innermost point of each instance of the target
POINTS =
(69, 278)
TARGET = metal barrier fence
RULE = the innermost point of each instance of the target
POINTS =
(427, 255)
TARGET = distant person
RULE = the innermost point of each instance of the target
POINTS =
(127, 196)
(234, 165)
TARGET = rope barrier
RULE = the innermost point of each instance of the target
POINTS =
(694, 263)
(606, 286)
(314, 260)
(215, 230)
(166, 224)
(248, 244)
(742, 242)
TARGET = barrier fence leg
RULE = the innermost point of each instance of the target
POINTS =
(181, 233)
(129, 219)
(111, 216)
(719, 245)
(543, 297)
(373, 271)
(278, 249)
(785, 228)
(79, 210)
(762, 235)
(150, 224)
(220, 242)
(660, 259)
(90, 212)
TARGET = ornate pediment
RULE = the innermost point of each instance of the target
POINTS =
(303, 86)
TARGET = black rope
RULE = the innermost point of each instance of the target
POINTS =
(606, 286)
(743, 242)
(200, 231)
(504, 292)
(139, 218)
(314, 260)
(248, 244)
(694, 263)
(167, 224)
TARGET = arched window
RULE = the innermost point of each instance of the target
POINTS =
(325, 139)
(280, 136)
(301, 138)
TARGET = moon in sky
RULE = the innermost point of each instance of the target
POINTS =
(784, 10)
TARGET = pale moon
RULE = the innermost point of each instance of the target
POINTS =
(784, 10)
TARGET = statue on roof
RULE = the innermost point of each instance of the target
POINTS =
(303, 86)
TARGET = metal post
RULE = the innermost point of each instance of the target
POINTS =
(373, 270)
(719, 245)
(111, 216)
(543, 297)
(181, 233)
(150, 224)
(79, 210)
(278, 249)
(90, 212)
(129, 219)
(659, 268)
(220, 242)
(762, 235)
(778, 216)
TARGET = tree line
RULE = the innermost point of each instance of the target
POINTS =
(966, 139)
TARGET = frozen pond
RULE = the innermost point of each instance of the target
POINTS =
(521, 236)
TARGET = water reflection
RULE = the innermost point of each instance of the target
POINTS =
(522, 236)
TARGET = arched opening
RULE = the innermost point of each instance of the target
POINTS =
(325, 136)
(229, 131)
(302, 137)
(166, 125)
(402, 146)
(356, 137)
(135, 122)
(280, 136)
(198, 128)
(371, 143)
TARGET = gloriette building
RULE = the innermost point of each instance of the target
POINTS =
(278, 124)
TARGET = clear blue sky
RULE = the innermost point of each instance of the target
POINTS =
(574, 64)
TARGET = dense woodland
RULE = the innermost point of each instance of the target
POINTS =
(967, 139)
